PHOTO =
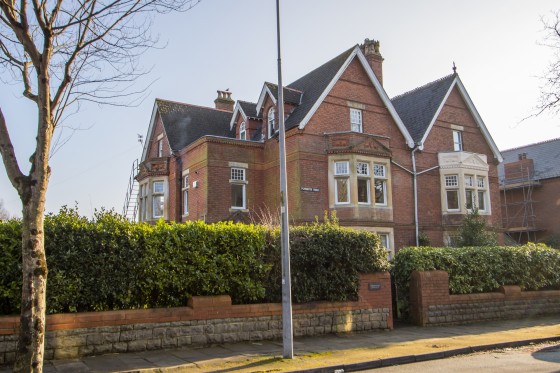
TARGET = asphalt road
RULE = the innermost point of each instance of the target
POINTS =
(535, 358)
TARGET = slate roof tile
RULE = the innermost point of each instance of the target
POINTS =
(417, 108)
(186, 123)
(249, 108)
(545, 156)
(312, 85)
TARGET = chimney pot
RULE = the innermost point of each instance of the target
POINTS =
(224, 100)
(370, 48)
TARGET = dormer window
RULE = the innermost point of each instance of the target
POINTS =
(457, 141)
(271, 122)
(242, 131)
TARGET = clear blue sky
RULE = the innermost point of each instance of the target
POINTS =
(232, 44)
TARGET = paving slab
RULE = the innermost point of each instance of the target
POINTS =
(312, 354)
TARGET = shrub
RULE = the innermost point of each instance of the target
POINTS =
(474, 231)
(479, 269)
(553, 241)
(325, 262)
(108, 263)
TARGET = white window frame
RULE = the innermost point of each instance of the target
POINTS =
(457, 141)
(362, 166)
(158, 194)
(185, 192)
(452, 185)
(238, 177)
(387, 236)
(271, 120)
(143, 202)
(481, 187)
(342, 172)
(380, 176)
(243, 131)
(356, 120)
(160, 148)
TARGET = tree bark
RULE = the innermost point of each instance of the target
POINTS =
(31, 342)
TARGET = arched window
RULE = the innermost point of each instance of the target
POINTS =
(242, 131)
(271, 122)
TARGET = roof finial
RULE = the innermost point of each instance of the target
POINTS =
(454, 68)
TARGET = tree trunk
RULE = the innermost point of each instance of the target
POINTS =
(31, 344)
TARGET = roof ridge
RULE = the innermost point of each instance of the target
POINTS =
(247, 102)
(193, 105)
(422, 86)
(533, 144)
(286, 87)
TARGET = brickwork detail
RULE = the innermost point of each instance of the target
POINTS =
(431, 303)
(205, 321)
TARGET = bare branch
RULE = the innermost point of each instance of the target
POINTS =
(27, 83)
(549, 98)
(17, 178)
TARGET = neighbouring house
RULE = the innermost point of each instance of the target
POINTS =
(530, 185)
(414, 164)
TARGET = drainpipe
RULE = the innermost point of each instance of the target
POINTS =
(415, 186)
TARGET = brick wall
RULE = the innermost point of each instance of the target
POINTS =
(205, 320)
(431, 303)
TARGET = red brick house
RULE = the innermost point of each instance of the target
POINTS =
(377, 161)
(530, 184)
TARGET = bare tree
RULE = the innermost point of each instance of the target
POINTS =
(4, 214)
(62, 52)
(549, 99)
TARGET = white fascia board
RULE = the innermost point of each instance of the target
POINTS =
(385, 98)
(438, 111)
(262, 97)
(376, 84)
(472, 109)
(479, 121)
(149, 134)
(237, 110)
(321, 98)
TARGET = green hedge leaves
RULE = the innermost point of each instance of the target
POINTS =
(479, 269)
(108, 263)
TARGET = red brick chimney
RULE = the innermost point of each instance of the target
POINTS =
(224, 101)
(371, 51)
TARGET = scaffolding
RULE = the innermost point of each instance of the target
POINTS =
(520, 221)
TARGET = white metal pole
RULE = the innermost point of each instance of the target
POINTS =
(287, 333)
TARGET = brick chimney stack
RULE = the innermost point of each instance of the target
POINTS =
(224, 100)
(371, 51)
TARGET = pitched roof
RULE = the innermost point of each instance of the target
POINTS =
(184, 123)
(313, 85)
(417, 108)
(250, 109)
(545, 156)
(292, 96)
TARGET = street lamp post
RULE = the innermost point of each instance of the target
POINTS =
(287, 333)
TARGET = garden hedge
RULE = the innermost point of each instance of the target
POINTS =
(108, 263)
(479, 269)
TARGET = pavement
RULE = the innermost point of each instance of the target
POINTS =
(330, 353)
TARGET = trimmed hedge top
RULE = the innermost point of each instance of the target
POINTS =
(108, 263)
(480, 269)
